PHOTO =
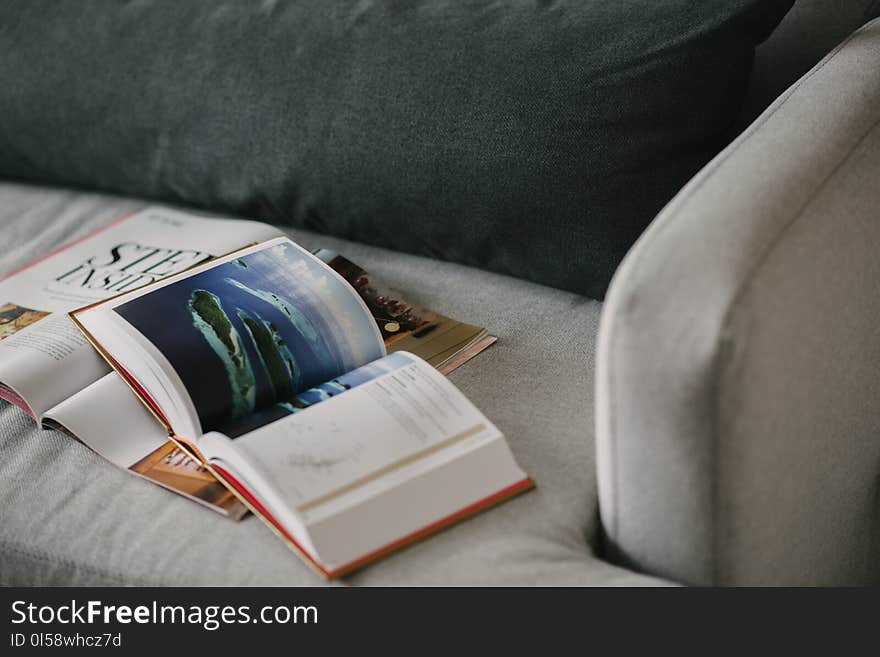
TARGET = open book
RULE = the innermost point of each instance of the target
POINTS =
(51, 371)
(270, 367)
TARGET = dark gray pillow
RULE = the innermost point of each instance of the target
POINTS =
(532, 138)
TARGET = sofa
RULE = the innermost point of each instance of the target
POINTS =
(714, 420)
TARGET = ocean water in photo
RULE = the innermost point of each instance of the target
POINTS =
(254, 331)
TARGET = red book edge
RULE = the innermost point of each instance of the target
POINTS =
(481, 505)
(13, 397)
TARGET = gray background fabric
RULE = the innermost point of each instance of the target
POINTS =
(810, 30)
(68, 517)
(738, 410)
(529, 138)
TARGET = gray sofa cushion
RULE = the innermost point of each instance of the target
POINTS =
(532, 139)
(738, 404)
(71, 518)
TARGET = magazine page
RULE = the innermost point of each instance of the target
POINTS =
(405, 326)
(214, 345)
(111, 421)
(44, 359)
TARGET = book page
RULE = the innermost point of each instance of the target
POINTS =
(365, 437)
(111, 421)
(217, 344)
(44, 359)
(317, 394)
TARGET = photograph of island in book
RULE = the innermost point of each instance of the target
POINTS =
(270, 367)
(51, 372)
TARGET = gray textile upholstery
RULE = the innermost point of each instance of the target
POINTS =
(810, 30)
(68, 517)
(738, 385)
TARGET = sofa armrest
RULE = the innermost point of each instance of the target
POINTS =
(738, 380)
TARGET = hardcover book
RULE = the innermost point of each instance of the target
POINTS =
(296, 384)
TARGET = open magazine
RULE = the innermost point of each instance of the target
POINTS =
(270, 367)
(51, 371)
